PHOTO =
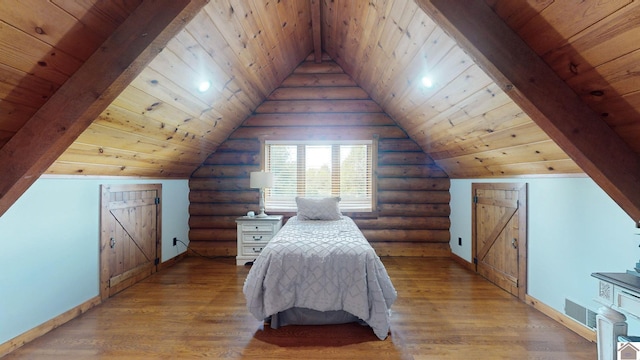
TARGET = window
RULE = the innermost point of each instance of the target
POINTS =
(320, 169)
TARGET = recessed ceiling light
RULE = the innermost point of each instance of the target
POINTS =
(427, 82)
(204, 86)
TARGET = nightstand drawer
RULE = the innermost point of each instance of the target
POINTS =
(266, 228)
(252, 238)
(252, 250)
(626, 301)
(253, 235)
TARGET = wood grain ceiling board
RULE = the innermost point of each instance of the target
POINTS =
(247, 48)
(162, 117)
(463, 114)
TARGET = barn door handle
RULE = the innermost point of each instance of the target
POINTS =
(112, 242)
(514, 243)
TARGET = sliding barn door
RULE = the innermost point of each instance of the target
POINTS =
(130, 235)
(500, 235)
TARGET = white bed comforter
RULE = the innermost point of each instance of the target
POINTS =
(321, 265)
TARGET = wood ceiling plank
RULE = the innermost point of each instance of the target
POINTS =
(498, 119)
(245, 53)
(593, 145)
(251, 23)
(103, 16)
(158, 86)
(22, 51)
(371, 62)
(303, 26)
(24, 88)
(316, 28)
(472, 109)
(554, 168)
(410, 56)
(223, 92)
(613, 37)
(405, 103)
(294, 17)
(85, 154)
(518, 13)
(233, 58)
(415, 99)
(437, 48)
(95, 169)
(140, 103)
(534, 152)
(396, 26)
(365, 46)
(527, 131)
(53, 25)
(267, 13)
(563, 19)
(348, 32)
(106, 136)
(274, 52)
(472, 80)
(125, 120)
(621, 110)
(88, 92)
(614, 78)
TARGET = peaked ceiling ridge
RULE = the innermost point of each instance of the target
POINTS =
(316, 71)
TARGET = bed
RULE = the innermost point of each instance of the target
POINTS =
(320, 270)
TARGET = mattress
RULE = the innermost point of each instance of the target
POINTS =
(325, 266)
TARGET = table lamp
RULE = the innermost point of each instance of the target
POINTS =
(261, 180)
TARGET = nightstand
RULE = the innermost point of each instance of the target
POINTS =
(253, 235)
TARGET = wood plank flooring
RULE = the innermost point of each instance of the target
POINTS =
(196, 309)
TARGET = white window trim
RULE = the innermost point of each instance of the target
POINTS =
(370, 207)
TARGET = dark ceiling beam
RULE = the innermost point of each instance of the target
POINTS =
(316, 29)
(88, 92)
(534, 86)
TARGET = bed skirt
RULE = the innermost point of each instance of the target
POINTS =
(304, 316)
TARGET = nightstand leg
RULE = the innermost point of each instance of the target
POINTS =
(609, 324)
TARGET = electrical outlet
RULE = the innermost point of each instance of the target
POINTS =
(175, 241)
(459, 241)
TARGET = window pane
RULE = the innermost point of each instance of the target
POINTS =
(318, 170)
(282, 162)
(327, 169)
(355, 178)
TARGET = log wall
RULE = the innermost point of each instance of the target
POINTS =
(320, 102)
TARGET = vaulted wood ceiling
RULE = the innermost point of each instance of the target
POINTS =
(537, 87)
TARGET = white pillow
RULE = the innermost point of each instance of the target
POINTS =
(318, 208)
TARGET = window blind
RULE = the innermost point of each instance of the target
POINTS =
(320, 169)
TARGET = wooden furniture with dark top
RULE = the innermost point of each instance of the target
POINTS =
(620, 295)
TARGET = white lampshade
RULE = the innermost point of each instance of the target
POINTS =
(260, 180)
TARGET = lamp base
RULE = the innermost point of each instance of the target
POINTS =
(262, 215)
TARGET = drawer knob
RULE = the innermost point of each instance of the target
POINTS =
(257, 250)
(257, 238)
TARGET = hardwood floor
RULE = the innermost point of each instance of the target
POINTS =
(196, 309)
